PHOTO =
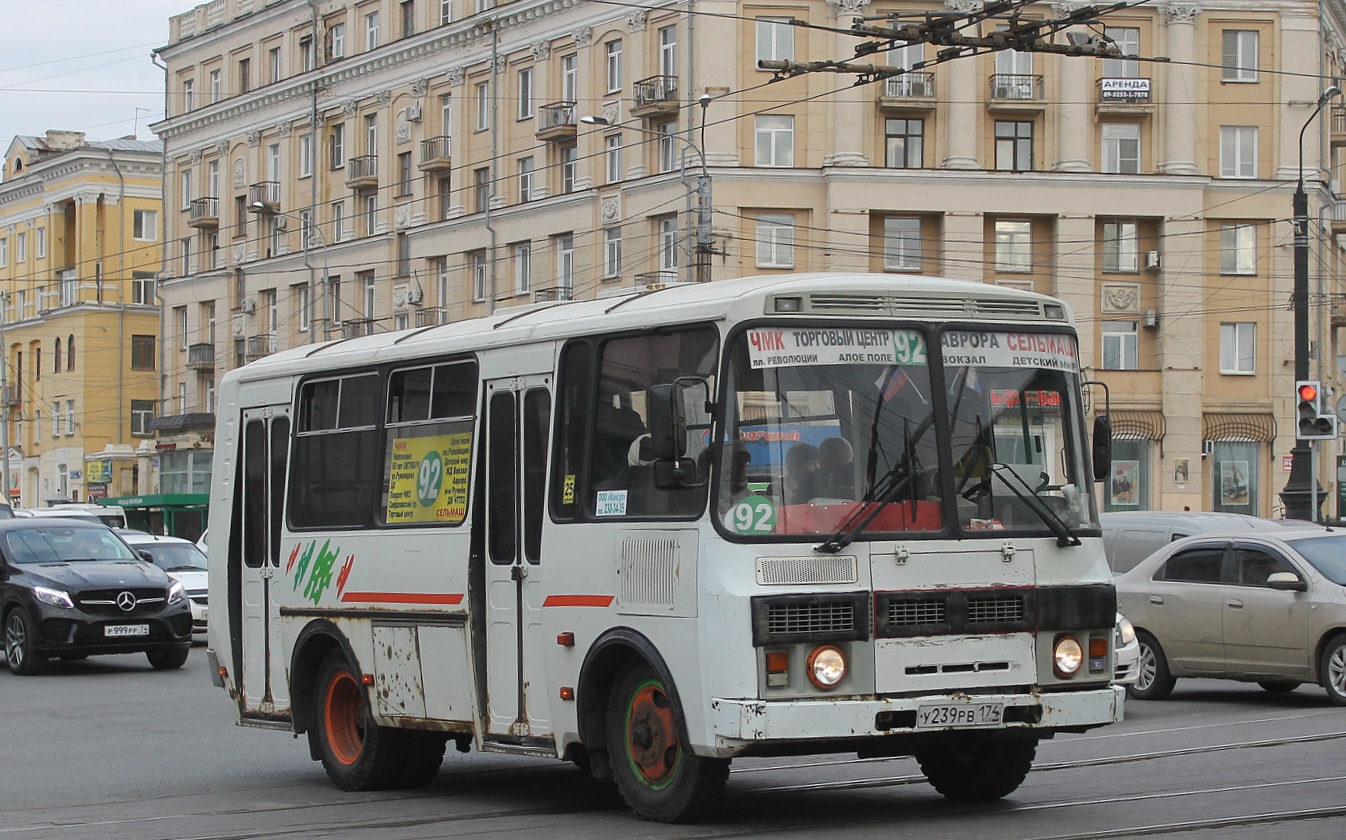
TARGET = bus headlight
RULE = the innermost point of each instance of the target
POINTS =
(1067, 656)
(826, 667)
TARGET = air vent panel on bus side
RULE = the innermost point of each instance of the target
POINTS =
(656, 573)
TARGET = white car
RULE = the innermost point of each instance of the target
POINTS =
(1127, 650)
(183, 561)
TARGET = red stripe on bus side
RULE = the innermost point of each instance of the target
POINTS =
(577, 600)
(448, 599)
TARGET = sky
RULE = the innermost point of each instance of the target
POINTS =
(83, 65)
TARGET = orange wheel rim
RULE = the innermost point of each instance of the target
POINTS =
(652, 741)
(342, 718)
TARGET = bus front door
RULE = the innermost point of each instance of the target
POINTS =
(518, 411)
(255, 558)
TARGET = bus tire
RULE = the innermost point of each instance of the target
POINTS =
(660, 779)
(1154, 681)
(422, 760)
(976, 768)
(356, 753)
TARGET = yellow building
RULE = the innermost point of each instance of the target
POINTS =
(338, 167)
(79, 255)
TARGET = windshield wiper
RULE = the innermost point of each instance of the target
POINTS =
(1064, 536)
(899, 477)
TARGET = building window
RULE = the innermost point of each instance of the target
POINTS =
(277, 71)
(1239, 55)
(1121, 345)
(188, 98)
(404, 174)
(775, 39)
(483, 106)
(481, 188)
(334, 295)
(306, 57)
(1127, 39)
(480, 274)
(1237, 477)
(1013, 245)
(526, 93)
(570, 78)
(1121, 247)
(336, 41)
(445, 12)
(612, 252)
(446, 114)
(904, 142)
(445, 192)
(305, 155)
(1129, 482)
(1238, 151)
(1238, 249)
(336, 146)
(371, 30)
(612, 157)
(1238, 348)
(371, 214)
(369, 293)
(301, 306)
(569, 161)
(525, 180)
(142, 352)
(668, 243)
(901, 243)
(668, 51)
(40, 244)
(775, 140)
(142, 413)
(372, 134)
(613, 72)
(408, 9)
(1121, 148)
(70, 352)
(21, 247)
(214, 86)
(668, 160)
(1014, 145)
(4, 251)
(142, 288)
(565, 262)
(775, 240)
(185, 188)
(69, 417)
(179, 326)
(338, 220)
(521, 256)
(244, 75)
(57, 357)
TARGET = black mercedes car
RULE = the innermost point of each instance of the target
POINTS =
(72, 589)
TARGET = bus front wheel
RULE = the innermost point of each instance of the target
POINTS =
(976, 768)
(356, 753)
(658, 776)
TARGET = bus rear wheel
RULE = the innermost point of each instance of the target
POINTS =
(976, 768)
(356, 753)
(658, 776)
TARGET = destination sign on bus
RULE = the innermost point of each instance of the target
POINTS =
(1010, 398)
(1012, 350)
(772, 347)
(428, 477)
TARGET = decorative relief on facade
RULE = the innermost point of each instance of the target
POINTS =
(81, 198)
(348, 109)
(286, 128)
(541, 51)
(1182, 13)
(1065, 7)
(222, 147)
(419, 87)
(194, 157)
(383, 98)
(612, 111)
(401, 216)
(240, 173)
(610, 208)
(583, 37)
(1120, 297)
(456, 75)
(254, 139)
(849, 7)
(964, 6)
(402, 128)
(636, 21)
(239, 253)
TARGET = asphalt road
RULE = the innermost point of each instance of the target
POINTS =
(108, 748)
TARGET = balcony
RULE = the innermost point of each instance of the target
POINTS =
(204, 213)
(362, 173)
(1015, 92)
(1338, 222)
(201, 357)
(432, 316)
(651, 280)
(436, 154)
(655, 95)
(914, 90)
(258, 346)
(554, 293)
(556, 121)
(265, 193)
(1124, 96)
(1338, 125)
(356, 327)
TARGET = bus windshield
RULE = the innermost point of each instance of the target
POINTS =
(836, 431)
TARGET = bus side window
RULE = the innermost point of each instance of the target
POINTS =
(573, 398)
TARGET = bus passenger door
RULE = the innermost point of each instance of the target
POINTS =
(261, 490)
(518, 412)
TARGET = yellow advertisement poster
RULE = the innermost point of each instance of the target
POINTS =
(427, 479)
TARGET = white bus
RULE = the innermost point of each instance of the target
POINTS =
(790, 514)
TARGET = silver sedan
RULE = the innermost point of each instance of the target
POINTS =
(1265, 607)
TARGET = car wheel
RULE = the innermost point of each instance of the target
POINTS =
(21, 644)
(974, 768)
(1278, 686)
(1153, 682)
(658, 776)
(356, 753)
(166, 659)
(1332, 670)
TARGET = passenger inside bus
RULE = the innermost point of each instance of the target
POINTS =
(615, 429)
(835, 476)
(801, 462)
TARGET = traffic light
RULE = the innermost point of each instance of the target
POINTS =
(1314, 419)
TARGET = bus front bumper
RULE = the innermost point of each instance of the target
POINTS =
(738, 725)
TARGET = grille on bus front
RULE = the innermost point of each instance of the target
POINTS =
(944, 613)
(777, 619)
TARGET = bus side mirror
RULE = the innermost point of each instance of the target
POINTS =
(1102, 447)
(667, 422)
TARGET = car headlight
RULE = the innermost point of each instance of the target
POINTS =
(826, 667)
(177, 593)
(1126, 632)
(1067, 656)
(53, 597)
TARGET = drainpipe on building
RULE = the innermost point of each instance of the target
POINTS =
(163, 264)
(121, 274)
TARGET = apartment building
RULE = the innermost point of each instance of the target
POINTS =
(338, 167)
(80, 251)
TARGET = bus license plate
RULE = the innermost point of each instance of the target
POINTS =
(126, 630)
(960, 714)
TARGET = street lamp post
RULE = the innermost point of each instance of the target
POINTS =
(704, 240)
(1300, 496)
(261, 207)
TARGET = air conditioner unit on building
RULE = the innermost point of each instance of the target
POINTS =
(248, 306)
(1151, 318)
(1152, 260)
(413, 113)
(414, 296)
(280, 222)
(1004, 92)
